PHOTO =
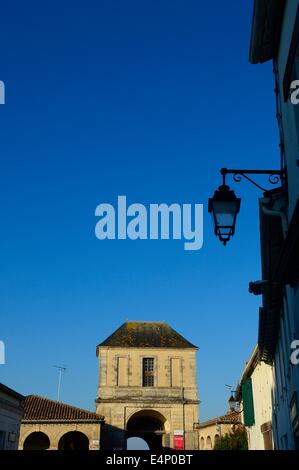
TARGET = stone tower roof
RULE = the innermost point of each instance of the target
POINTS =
(133, 334)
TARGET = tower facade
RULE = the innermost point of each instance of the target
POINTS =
(147, 387)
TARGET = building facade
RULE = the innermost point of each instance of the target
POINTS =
(147, 387)
(275, 36)
(254, 393)
(51, 425)
(211, 430)
(11, 412)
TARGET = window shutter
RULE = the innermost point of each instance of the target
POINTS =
(248, 407)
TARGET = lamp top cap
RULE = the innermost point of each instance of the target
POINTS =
(224, 194)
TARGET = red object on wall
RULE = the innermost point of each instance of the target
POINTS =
(178, 441)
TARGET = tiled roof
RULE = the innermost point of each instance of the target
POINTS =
(229, 418)
(146, 335)
(38, 408)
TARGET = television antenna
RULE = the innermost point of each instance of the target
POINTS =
(61, 370)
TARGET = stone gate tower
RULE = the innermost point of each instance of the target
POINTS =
(147, 387)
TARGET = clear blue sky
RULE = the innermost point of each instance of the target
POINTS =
(147, 99)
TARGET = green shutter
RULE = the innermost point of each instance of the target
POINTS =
(248, 407)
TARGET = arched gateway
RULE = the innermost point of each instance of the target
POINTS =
(73, 440)
(147, 387)
(149, 426)
(37, 441)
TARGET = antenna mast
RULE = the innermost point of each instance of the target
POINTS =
(60, 369)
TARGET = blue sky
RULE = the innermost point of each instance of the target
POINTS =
(145, 99)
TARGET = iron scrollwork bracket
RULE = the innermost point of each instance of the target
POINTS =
(274, 176)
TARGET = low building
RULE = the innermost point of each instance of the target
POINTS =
(254, 393)
(210, 431)
(51, 425)
(147, 387)
(11, 412)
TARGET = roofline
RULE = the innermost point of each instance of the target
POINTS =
(101, 419)
(194, 348)
(218, 420)
(145, 321)
(250, 365)
(99, 346)
(210, 422)
(140, 322)
(248, 370)
(266, 22)
(11, 392)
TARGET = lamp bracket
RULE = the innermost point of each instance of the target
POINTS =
(274, 176)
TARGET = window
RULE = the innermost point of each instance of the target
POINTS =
(291, 69)
(267, 436)
(266, 430)
(148, 372)
(291, 77)
(295, 419)
(2, 440)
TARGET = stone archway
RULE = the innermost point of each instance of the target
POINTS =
(209, 443)
(73, 440)
(36, 441)
(148, 425)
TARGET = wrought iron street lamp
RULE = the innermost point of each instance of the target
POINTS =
(225, 205)
(232, 403)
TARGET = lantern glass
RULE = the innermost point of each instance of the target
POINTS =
(231, 404)
(224, 207)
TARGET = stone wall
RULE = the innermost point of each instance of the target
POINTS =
(55, 431)
(174, 394)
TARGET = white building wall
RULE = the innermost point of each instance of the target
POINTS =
(262, 386)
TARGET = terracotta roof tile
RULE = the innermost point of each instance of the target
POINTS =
(38, 408)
